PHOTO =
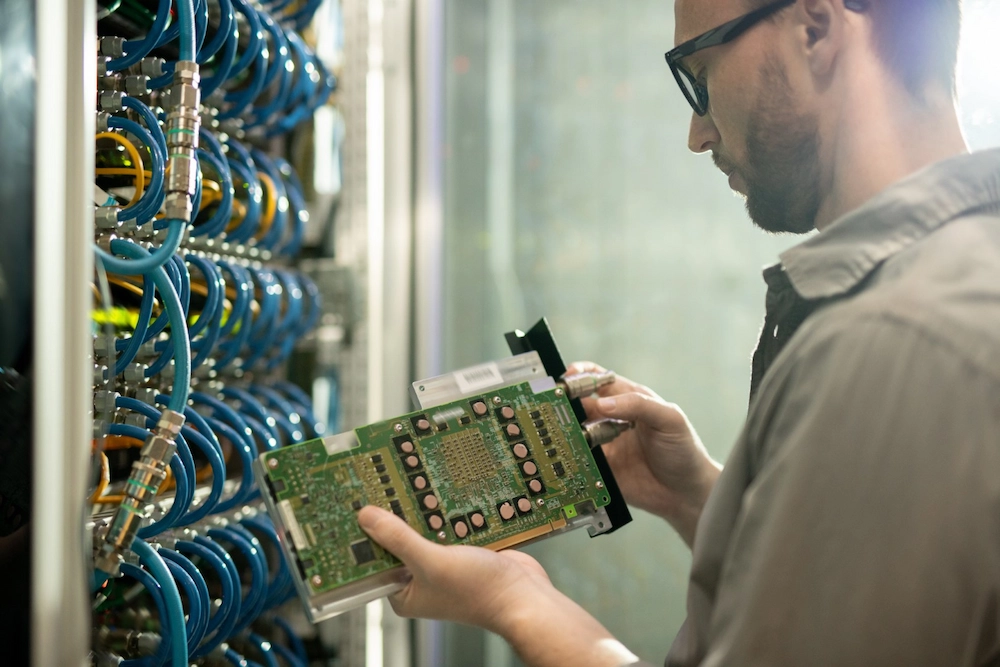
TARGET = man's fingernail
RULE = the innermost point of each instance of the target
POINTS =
(606, 404)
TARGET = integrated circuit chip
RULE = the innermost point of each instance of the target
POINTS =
(474, 482)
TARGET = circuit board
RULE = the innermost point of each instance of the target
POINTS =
(495, 470)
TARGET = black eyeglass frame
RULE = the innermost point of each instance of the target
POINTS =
(723, 34)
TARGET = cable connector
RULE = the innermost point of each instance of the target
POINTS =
(112, 47)
(182, 127)
(585, 384)
(605, 430)
(147, 475)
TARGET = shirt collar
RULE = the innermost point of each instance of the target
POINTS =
(841, 256)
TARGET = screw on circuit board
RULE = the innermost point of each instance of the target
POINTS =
(540, 501)
(398, 428)
(559, 391)
(497, 400)
(272, 463)
(600, 485)
(316, 580)
(442, 536)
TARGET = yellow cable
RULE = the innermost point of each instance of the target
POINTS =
(102, 484)
(137, 166)
(270, 207)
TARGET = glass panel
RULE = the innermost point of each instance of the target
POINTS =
(570, 194)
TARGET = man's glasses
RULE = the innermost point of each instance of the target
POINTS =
(695, 91)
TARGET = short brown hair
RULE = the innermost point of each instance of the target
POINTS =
(916, 39)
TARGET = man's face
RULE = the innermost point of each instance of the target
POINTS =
(759, 129)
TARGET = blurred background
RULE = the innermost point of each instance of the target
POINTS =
(569, 193)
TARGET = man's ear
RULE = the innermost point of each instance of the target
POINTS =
(821, 34)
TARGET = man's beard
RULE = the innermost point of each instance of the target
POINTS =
(782, 174)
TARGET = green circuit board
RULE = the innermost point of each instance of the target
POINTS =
(495, 471)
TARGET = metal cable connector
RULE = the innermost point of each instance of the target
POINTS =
(585, 384)
(145, 479)
(605, 430)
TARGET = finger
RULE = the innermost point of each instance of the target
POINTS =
(642, 408)
(395, 536)
(578, 367)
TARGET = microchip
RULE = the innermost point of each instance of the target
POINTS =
(542, 432)
(539, 423)
(356, 505)
(546, 442)
(363, 552)
(390, 492)
(558, 469)
(395, 504)
(304, 498)
(550, 452)
(385, 479)
(380, 468)
(377, 458)
(535, 414)
(443, 426)
(465, 420)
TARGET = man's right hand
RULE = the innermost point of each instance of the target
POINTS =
(661, 464)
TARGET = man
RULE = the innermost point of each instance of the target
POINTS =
(857, 521)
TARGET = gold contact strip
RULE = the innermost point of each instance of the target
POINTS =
(520, 538)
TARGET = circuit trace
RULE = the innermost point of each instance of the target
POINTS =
(495, 470)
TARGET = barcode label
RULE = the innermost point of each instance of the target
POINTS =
(477, 378)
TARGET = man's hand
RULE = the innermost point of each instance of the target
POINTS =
(506, 592)
(661, 464)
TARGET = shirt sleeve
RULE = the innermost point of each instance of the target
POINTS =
(868, 534)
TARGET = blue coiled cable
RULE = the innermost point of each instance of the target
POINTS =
(204, 439)
(241, 315)
(184, 491)
(280, 222)
(195, 633)
(137, 49)
(129, 347)
(265, 649)
(252, 603)
(280, 67)
(250, 405)
(171, 598)
(226, 19)
(196, 613)
(246, 488)
(288, 656)
(149, 119)
(222, 622)
(242, 164)
(280, 585)
(288, 417)
(152, 198)
(155, 591)
(223, 63)
(184, 293)
(284, 331)
(264, 325)
(211, 316)
(238, 100)
(293, 639)
(172, 305)
(256, 41)
(220, 219)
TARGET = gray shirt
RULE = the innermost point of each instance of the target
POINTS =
(857, 520)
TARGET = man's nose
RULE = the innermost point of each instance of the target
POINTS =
(703, 135)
